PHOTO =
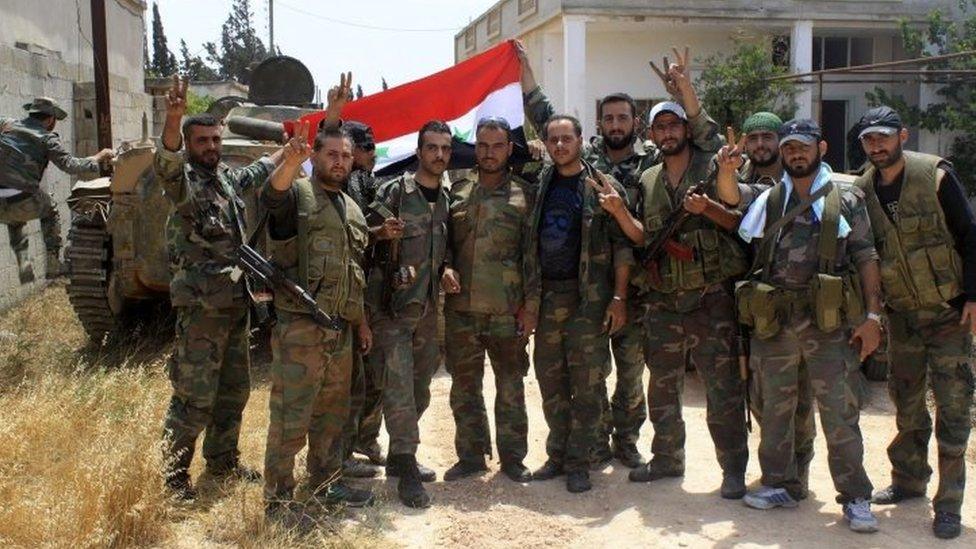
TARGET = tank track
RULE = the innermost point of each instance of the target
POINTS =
(89, 260)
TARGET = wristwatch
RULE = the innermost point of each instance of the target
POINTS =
(875, 317)
(617, 298)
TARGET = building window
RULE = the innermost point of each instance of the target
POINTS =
(835, 52)
(469, 38)
(527, 7)
(494, 22)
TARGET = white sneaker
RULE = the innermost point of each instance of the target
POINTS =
(859, 516)
(767, 497)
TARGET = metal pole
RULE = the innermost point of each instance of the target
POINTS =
(820, 99)
(271, 50)
(856, 68)
(103, 108)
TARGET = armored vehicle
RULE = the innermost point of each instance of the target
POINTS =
(117, 253)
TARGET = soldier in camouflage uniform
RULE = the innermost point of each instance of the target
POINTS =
(486, 304)
(580, 265)
(691, 308)
(366, 411)
(318, 236)
(761, 169)
(210, 365)
(816, 251)
(926, 236)
(26, 147)
(620, 152)
(403, 313)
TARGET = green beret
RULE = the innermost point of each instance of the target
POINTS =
(762, 121)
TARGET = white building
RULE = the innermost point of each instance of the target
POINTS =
(582, 50)
(45, 49)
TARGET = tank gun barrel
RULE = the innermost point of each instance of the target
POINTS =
(255, 128)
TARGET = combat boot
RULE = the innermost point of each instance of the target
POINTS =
(578, 482)
(373, 452)
(550, 469)
(656, 469)
(627, 454)
(53, 266)
(410, 489)
(426, 474)
(233, 470)
(466, 468)
(516, 470)
(354, 468)
(25, 269)
(733, 485)
(180, 486)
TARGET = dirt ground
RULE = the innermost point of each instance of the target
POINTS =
(492, 511)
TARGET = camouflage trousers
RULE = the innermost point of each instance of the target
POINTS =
(704, 336)
(570, 356)
(831, 373)
(406, 346)
(366, 405)
(930, 344)
(624, 414)
(310, 378)
(210, 374)
(804, 423)
(16, 214)
(470, 336)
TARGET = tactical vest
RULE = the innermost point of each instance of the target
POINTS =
(718, 256)
(831, 297)
(324, 256)
(920, 267)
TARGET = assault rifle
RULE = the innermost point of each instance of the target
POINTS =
(254, 265)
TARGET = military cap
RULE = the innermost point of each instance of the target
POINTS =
(883, 120)
(804, 130)
(45, 105)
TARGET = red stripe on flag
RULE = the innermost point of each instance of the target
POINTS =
(445, 95)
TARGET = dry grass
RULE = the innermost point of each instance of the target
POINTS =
(80, 451)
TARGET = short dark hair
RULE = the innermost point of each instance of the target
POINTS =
(619, 97)
(204, 119)
(435, 126)
(577, 127)
(495, 123)
(327, 133)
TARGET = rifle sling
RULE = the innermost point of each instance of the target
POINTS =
(771, 233)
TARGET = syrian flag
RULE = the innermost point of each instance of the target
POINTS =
(485, 85)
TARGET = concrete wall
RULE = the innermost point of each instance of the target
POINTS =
(43, 52)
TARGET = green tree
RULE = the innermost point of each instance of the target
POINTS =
(956, 111)
(734, 85)
(196, 104)
(239, 46)
(163, 60)
(194, 67)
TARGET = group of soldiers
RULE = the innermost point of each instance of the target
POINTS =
(666, 254)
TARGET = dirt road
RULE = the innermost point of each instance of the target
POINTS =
(492, 511)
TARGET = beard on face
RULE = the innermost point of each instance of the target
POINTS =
(209, 159)
(887, 160)
(493, 167)
(618, 142)
(680, 144)
(803, 172)
(770, 158)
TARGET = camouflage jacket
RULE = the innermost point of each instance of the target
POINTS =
(25, 150)
(362, 187)
(488, 230)
(423, 245)
(796, 258)
(603, 245)
(704, 131)
(205, 227)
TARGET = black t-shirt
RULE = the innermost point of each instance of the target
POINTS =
(959, 219)
(560, 228)
(430, 194)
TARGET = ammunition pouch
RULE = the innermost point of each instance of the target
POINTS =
(827, 293)
(757, 307)
(833, 301)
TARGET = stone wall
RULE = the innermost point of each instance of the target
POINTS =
(46, 54)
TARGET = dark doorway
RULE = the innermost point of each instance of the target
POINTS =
(833, 121)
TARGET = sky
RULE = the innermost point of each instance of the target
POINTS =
(407, 39)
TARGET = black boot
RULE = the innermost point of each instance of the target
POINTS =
(466, 468)
(515, 470)
(426, 474)
(410, 489)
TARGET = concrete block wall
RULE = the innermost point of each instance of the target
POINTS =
(27, 72)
